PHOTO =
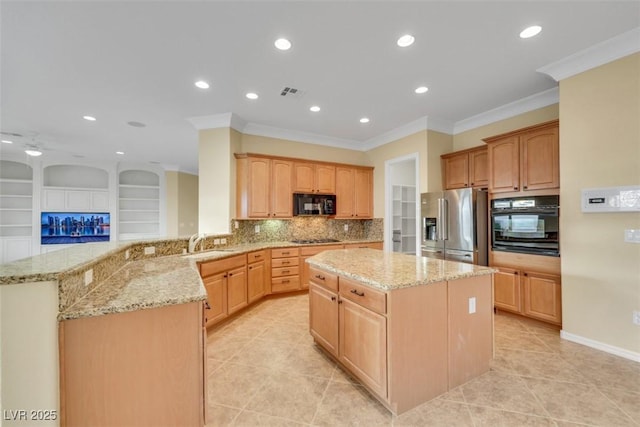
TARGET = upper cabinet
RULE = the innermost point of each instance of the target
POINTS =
(525, 160)
(314, 178)
(354, 192)
(466, 168)
(75, 188)
(264, 187)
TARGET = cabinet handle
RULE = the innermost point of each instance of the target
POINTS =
(526, 274)
(285, 281)
(285, 253)
(354, 291)
(230, 274)
(286, 262)
(319, 277)
(257, 256)
(515, 188)
(285, 271)
(333, 298)
(226, 275)
(339, 301)
(250, 267)
(525, 187)
(207, 306)
(515, 272)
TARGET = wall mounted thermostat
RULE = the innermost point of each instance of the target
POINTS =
(611, 199)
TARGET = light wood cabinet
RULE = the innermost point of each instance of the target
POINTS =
(256, 275)
(314, 178)
(373, 245)
(542, 297)
(373, 334)
(466, 168)
(226, 283)
(530, 286)
(525, 160)
(285, 271)
(306, 252)
(142, 368)
(354, 192)
(264, 187)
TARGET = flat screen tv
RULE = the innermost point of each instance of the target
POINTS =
(58, 228)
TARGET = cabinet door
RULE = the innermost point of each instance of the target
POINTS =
(100, 200)
(303, 181)
(542, 297)
(217, 298)
(281, 189)
(345, 192)
(237, 289)
(479, 168)
(504, 160)
(259, 191)
(78, 200)
(363, 345)
(540, 159)
(256, 281)
(456, 171)
(305, 274)
(325, 179)
(53, 200)
(323, 317)
(506, 289)
(363, 197)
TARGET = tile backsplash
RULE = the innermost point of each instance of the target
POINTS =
(305, 228)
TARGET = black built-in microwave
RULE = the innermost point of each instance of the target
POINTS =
(314, 204)
(527, 225)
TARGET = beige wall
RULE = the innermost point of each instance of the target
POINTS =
(171, 179)
(182, 204)
(600, 147)
(473, 137)
(286, 148)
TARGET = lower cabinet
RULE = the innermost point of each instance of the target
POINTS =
(256, 275)
(142, 368)
(285, 270)
(406, 345)
(306, 252)
(529, 293)
(226, 283)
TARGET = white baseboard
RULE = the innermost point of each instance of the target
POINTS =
(631, 355)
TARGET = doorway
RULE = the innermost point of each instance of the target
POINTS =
(402, 194)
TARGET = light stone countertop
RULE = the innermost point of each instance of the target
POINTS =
(387, 270)
(155, 281)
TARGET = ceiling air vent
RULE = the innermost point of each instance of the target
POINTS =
(291, 92)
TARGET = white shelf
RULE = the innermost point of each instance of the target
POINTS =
(138, 204)
(403, 217)
(139, 186)
(16, 208)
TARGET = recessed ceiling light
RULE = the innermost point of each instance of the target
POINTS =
(364, 120)
(421, 89)
(136, 124)
(202, 84)
(90, 118)
(406, 40)
(534, 30)
(120, 152)
(6, 141)
(283, 44)
(252, 95)
(34, 153)
(315, 108)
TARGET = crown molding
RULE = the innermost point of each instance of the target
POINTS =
(212, 121)
(610, 50)
(397, 133)
(298, 136)
(524, 105)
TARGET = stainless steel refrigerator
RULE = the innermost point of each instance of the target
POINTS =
(454, 225)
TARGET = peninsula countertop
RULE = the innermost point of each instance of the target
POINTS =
(388, 270)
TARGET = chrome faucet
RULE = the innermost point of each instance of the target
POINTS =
(194, 240)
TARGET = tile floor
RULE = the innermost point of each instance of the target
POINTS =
(264, 369)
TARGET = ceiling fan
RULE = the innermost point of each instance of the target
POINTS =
(29, 143)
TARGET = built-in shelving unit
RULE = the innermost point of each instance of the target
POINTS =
(138, 204)
(16, 209)
(404, 219)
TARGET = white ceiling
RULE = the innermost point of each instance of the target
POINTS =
(138, 61)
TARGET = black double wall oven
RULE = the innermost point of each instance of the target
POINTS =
(527, 225)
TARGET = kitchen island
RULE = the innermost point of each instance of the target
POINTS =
(409, 328)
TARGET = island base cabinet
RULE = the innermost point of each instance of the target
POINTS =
(363, 345)
(142, 368)
(323, 318)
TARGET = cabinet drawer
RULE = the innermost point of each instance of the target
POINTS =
(285, 271)
(285, 284)
(284, 252)
(256, 256)
(320, 277)
(212, 267)
(363, 295)
(285, 262)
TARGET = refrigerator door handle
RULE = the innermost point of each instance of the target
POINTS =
(443, 219)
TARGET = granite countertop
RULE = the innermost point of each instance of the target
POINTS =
(155, 281)
(150, 283)
(387, 270)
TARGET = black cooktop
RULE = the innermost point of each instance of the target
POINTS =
(315, 241)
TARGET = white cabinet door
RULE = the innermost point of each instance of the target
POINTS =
(53, 200)
(78, 200)
(100, 200)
